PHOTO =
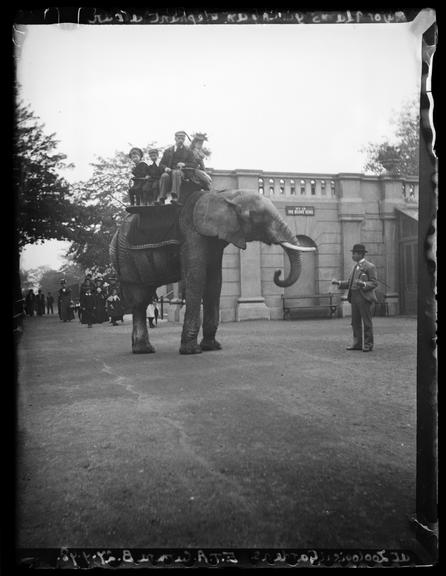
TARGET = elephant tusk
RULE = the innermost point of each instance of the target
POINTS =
(298, 248)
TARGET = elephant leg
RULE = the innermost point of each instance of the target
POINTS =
(138, 297)
(194, 278)
(140, 335)
(211, 299)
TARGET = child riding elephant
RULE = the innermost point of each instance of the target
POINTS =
(140, 171)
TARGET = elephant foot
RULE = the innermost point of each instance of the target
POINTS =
(206, 345)
(142, 348)
(190, 348)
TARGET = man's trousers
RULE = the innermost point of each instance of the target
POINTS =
(361, 316)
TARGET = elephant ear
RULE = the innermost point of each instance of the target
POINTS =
(215, 215)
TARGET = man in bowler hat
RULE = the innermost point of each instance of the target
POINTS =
(361, 286)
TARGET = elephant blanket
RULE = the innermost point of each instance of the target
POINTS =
(152, 236)
(153, 226)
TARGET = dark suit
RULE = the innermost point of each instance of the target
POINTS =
(362, 299)
(49, 304)
(40, 304)
(171, 156)
(153, 185)
(171, 182)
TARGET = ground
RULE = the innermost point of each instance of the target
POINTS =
(282, 439)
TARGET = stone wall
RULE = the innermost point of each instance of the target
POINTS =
(346, 209)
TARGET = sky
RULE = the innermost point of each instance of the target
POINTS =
(302, 98)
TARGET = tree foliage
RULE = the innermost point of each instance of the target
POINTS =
(104, 197)
(399, 156)
(48, 279)
(45, 208)
(30, 279)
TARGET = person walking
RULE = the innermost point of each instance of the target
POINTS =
(30, 299)
(100, 294)
(151, 314)
(361, 287)
(156, 310)
(49, 303)
(40, 303)
(88, 305)
(64, 303)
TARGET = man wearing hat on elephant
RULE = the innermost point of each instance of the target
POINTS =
(173, 160)
(361, 286)
(195, 161)
(140, 177)
(156, 169)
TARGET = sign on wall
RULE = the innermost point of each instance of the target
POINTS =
(299, 210)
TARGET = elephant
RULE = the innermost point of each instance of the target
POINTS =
(207, 222)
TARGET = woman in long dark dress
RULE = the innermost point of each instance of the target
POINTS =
(88, 307)
(64, 303)
(101, 314)
(86, 284)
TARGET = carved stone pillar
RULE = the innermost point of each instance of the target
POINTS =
(391, 198)
(351, 214)
(176, 310)
(251, 304)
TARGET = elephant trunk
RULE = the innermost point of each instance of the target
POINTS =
(281, 234)
(295, 267)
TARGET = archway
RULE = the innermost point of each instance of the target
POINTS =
(307, 283)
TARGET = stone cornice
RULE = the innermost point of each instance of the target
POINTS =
(318, 175)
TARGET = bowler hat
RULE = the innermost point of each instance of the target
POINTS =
(137, 150)
(359, 248)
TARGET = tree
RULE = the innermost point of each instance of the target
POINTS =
(44, 205)
(103, 197)
(399, 157)
(31, 279)
(48, 279)
(70, 272)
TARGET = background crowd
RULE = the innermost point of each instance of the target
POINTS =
(98, 302)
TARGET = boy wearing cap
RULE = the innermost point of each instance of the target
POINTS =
(173, 160)
(140, 176)
(361, 287)
(156, 169)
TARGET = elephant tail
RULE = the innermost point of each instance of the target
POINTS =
(113, 252)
